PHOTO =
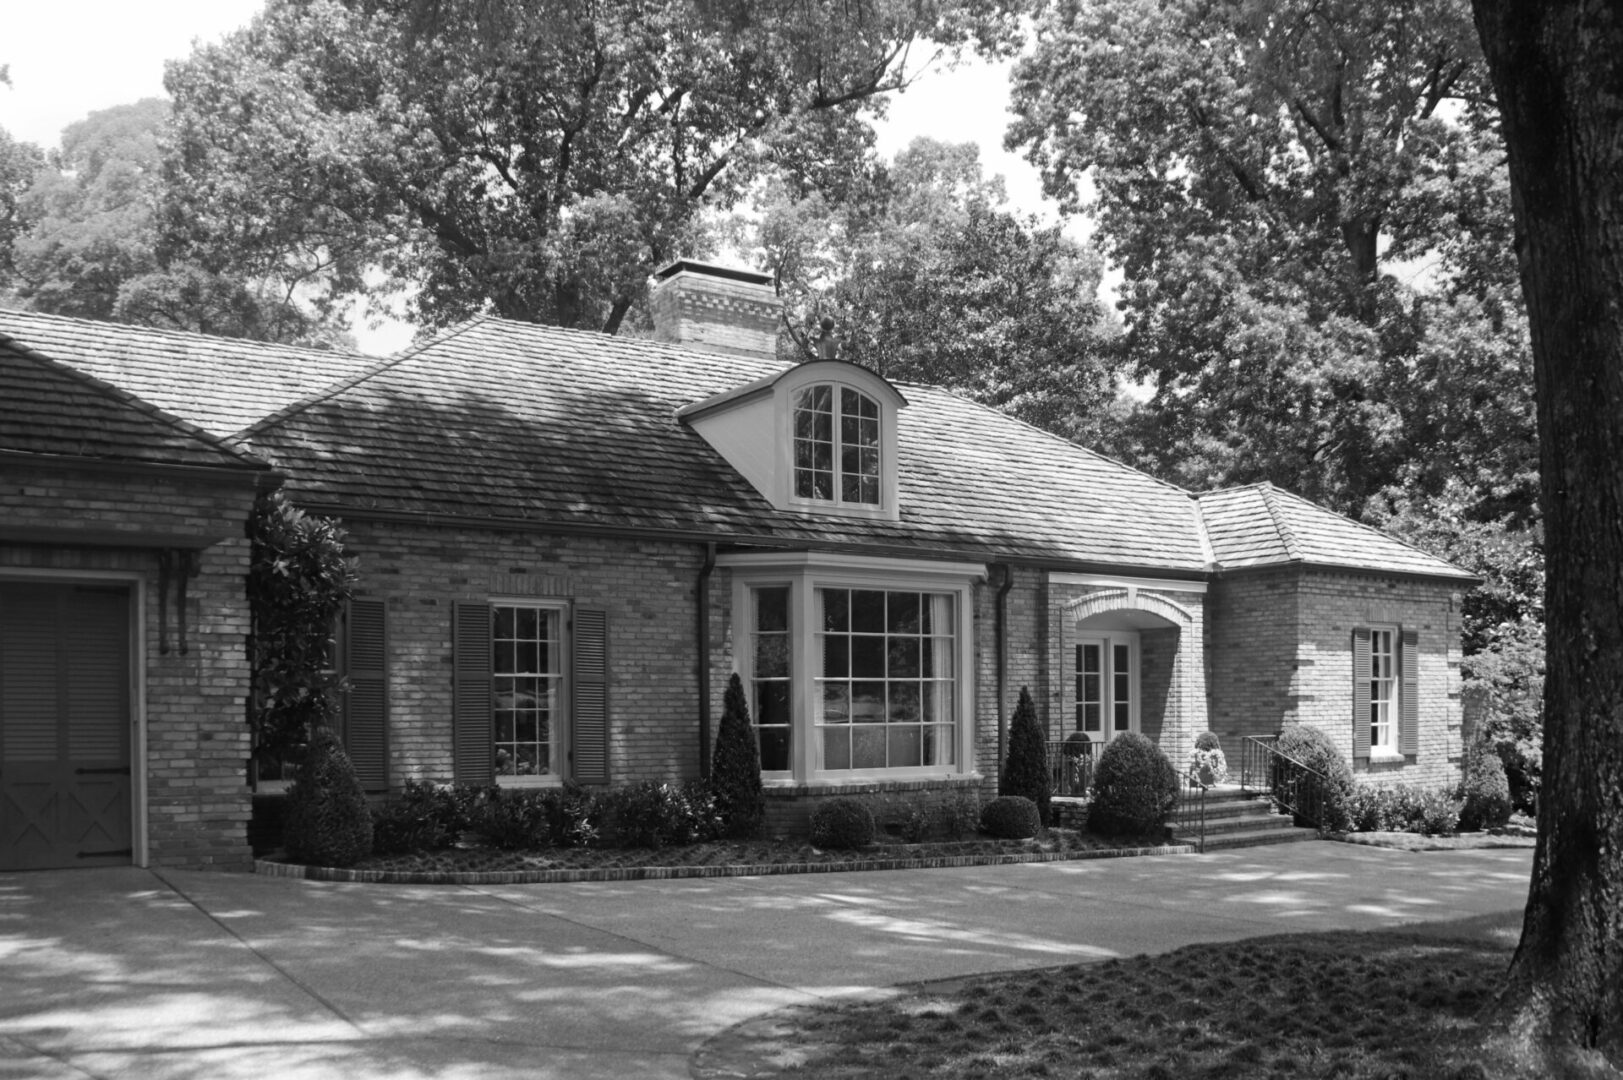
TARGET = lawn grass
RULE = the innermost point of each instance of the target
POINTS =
(1405, 841)
(1347, 1005)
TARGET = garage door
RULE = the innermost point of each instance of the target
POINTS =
(64, 726)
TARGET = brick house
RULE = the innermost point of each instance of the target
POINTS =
(569, 542)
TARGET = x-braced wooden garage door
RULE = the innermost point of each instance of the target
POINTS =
(64, 725)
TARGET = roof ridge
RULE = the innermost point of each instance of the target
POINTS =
(170, 332)
(1293, 550)
(336, 388)
(1203, 534)
(139, 404)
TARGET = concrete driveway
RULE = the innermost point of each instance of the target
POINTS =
(131, 973)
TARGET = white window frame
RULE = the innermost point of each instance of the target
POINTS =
(561, 708)
(1385, 711)
(804, 574)
(837, 376)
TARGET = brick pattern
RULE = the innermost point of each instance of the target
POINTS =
(1284, 655)
(197, 739)
(648, 590)
(715, 314)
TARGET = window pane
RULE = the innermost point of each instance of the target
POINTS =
(803, 484)
(774, 749)
(867, 657)
(772, 609)
(771, 703)
(836, 609)
(835, 704)
(1124, 716)
(867, 611)
(904, 747)
(504, 622)
(903, 659)
(904, 703)
(868, 703)
(902, 613)
(850, 487)
(836, 656)
(772, 656)
(837, 748)
(503, 658)
(1090, 716)
(867, 747)
(504, 725)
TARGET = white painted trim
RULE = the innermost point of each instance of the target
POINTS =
(1107, 702)
(1121, 582)
(139, 845)
(792, 562)
(563, 723)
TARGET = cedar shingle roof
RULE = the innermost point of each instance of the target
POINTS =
(49, 408)
(510, 420)
(1262, 525)
(220, 384)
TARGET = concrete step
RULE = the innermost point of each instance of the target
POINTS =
(1252, 838)
(1233, 825)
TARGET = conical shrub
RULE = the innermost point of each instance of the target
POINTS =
(1025, 773)
(328, 822)
(735, 768)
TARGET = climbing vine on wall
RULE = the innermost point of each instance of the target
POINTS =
(298, 580)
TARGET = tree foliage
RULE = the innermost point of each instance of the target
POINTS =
(537, 159)
(929, 277)
(85, 240)
(1266, 174)
(298, 581)
(19, 163)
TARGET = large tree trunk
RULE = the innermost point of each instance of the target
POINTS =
(1558, 70)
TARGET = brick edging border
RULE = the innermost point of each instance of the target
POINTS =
(672, 873)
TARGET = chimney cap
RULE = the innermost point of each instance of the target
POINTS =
(730, 273)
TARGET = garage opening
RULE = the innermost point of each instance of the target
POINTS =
(65, 720)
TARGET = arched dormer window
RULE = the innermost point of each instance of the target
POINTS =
(837, 447)
(818, 438)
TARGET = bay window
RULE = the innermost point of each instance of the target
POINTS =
(855, 671)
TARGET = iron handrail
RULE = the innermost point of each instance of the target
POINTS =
(1191, 811)
(1069, 773)
(1285, 778)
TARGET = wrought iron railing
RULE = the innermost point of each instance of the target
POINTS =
(1070, 769)
(1189, 819)
(1297, 789)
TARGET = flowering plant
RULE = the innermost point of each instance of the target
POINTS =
(1208, 767)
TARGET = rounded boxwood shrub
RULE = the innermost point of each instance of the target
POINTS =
(842, 824)
(1485, 790)
(328, 822)
(1135, 787)
(1207, 740)
(1011, 817)
(1315, 749)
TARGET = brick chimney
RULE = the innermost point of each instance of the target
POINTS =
(716, 309)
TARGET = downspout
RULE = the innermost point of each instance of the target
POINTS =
(1001, 632)
(704, 658)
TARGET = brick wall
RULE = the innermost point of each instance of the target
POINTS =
(197, 742)
(1281, 652)
(648, 589)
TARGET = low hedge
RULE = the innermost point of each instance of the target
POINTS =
(1011, 817)
(842, 825)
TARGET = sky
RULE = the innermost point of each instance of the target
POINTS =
(69, 58)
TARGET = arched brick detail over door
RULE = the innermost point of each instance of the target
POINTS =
(1129, 599)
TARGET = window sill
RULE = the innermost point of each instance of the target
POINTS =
(1386, 757)
(786, 789)
(530, 781)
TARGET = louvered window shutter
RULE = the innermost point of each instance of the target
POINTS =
(589, 739)
(1361, 693)
(1409, 707)
(472, 738)
(366, 705)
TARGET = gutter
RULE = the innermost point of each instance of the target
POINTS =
(703, 638)
(1001, 633)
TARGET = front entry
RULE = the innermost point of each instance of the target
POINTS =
(64, 726)
(1106, 684)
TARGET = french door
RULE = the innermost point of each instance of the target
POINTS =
(1106, 684)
